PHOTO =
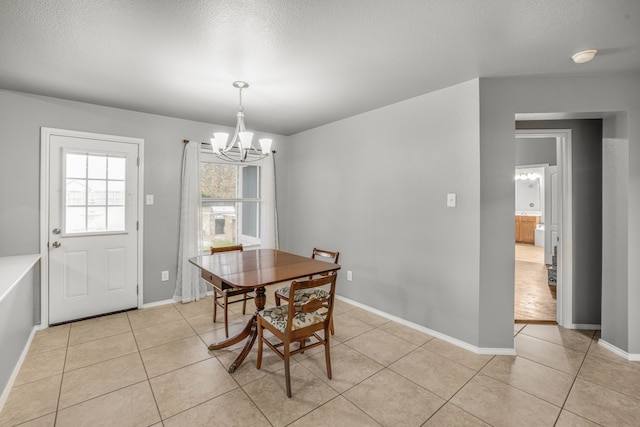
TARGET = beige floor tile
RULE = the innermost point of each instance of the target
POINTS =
(602, 406)
(342, 307)
(130, 406)
(575, 339)
(368, 317)
(457, 354)
(599, 350)
(101, 378)
(202, 323)
(452, 416)
(50, 339)
(517, 327)
(30, 401)
(624, 378)
(409, 404)
(190, 386)
(174, 355)
(148, 317)
(46, 421)
(233, 409)
(552, 355)
(437, 374)
(247, 371)
(97, 328)
(336, 412)
(217, 335)
(99, 350)
(347, 327)
(502, 405)
(348, 367)
(162, 334)
(381, 346)
(568, 419)
(539, 380)
(406, 333)
(307, 393)
(194, 308)
(41, 365)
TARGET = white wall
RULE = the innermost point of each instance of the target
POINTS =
(374, 187)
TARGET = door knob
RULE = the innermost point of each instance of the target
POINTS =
(56, 244)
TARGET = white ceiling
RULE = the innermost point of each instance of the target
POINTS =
(308, 62)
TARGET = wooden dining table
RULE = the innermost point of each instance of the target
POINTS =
(254, 269)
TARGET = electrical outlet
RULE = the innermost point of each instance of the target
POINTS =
(349, 276)
(165, 276)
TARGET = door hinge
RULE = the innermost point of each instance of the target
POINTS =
(137, 289)
(137, 225)
(138, 161)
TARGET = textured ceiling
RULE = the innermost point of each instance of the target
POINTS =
(309, 62)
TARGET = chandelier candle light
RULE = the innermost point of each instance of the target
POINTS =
(239, 148)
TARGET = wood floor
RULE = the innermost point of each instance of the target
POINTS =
(535, 300)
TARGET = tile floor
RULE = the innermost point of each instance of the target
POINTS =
(151, 367)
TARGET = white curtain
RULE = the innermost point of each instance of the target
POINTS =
(269, 212)
(189, 286)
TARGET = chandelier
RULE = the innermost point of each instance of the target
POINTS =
(240, 147)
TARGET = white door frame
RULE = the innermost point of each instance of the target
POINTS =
(45, 138)
(564, 314)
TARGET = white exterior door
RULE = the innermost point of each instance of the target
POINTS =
(93, 221)
(551, 214)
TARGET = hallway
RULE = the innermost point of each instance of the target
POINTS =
(535, 300)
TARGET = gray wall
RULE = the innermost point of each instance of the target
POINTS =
(586, 167)
(18, 315)
(535, 151)
(500, 100)
(374, 187)
(615, 263)
(22, 117)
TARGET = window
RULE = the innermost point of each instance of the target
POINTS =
(230, 195)
(95, 193)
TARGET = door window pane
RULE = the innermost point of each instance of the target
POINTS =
(95, 193)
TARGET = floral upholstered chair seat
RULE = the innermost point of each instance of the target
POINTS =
(277, 316)
(303, 295)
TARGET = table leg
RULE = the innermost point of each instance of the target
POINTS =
(250, 332)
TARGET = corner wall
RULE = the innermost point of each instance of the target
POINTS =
(500, 100)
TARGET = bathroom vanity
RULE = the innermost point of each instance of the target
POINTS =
(526, 228)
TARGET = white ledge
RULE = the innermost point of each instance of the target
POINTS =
(13, 269)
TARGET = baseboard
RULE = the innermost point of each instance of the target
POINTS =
(439, 335)
(158, 303)
(632, 357)
(14, 374)
(584, 326)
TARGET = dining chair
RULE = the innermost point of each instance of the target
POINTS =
(299, 322)
(283, 292)
(228, 291)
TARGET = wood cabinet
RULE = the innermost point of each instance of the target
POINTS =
(526, 228)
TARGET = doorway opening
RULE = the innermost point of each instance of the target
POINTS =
(543, 256)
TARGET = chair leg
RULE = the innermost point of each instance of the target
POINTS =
(226, 315)
(333, 332)
(327, 353)
(287, 371)
(259, 361)
(244, 304)
(215, 304)
(277, 298)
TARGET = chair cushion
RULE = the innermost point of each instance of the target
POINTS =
(302, 296)
(277, 316)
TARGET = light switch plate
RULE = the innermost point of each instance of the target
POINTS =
(451, 200)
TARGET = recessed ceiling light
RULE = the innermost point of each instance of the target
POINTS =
(584, 56)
